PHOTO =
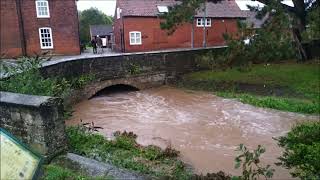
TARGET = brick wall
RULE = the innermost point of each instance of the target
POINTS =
(153, 38)
(10, 43)
(63, 21)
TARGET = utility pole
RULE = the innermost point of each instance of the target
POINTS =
(21, 28)
(205, 24)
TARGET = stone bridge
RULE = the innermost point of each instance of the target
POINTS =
(140, 82)
(140, 70)
(38, 120)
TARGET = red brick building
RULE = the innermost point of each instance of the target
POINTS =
(30, 27)
(137, 25)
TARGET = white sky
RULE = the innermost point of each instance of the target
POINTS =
(108, 6)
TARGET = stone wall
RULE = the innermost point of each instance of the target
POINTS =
(172, 62)
(142, 81)
(35, 120)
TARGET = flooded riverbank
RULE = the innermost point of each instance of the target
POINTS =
(206, 129)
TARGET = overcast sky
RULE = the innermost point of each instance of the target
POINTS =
(108, 6)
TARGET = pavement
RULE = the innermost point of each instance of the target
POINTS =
(88, 53)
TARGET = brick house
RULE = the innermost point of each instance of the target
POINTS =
(137, 25)
(30, 27)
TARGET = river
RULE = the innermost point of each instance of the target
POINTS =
(206, 129)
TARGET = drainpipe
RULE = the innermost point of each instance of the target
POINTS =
(21, 28)
(123, 38)
(205, 24)
(192, 33)
(123, 35)
(78, 33)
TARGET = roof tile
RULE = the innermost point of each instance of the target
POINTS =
(224, 8)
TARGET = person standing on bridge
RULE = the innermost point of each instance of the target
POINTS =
(99, 43)
(94, 45)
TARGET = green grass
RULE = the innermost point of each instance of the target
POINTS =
(300, 82)
(55, 172)
(284, 104)
(124, 152)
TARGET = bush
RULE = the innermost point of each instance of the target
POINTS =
(25, 78)
(212, 60)
(250, 163)
(302, 150)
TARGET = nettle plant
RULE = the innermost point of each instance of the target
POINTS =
(24, 77)
(249, 161)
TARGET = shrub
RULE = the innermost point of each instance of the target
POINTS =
(302, 150)
(211, 60)
(25, 78)
(250, 163)
(134, 69)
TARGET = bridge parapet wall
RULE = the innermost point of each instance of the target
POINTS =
(172, 62)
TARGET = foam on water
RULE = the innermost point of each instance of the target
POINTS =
(205, 128)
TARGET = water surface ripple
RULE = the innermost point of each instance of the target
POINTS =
(206, 129)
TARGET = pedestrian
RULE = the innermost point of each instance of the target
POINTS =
(94, 45)
(99, 43)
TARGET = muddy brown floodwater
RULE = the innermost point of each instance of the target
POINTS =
(206, 129)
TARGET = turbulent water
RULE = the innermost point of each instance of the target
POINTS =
(206, 129)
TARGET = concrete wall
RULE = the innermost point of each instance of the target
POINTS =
(35, 120)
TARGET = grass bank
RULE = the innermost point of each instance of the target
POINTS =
(288, 86)
(55, 172)
(124, 152)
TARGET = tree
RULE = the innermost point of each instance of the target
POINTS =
(89, 17)
(313, 24)
(184, 11)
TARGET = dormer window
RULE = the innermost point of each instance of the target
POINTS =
(163, 9)
(42, 7)
(201, 23)
(119, 13)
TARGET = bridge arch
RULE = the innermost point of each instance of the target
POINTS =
(116, 88)
(135, 83)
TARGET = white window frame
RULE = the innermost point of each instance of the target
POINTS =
(200, 23)
(40, 38)
(38, 11)
(134, 42)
